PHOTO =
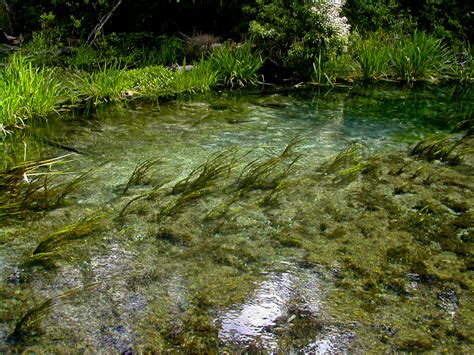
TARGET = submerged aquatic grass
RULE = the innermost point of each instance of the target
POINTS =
(269, 173)
(29, 325)
(49, 248)
(36, 186)
(443, 147)
(139, 174)
(68, 234)
(378, 252)
(201, 177)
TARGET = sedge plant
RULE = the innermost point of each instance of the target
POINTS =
(26, 92)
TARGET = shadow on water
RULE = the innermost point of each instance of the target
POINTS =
(253, 222)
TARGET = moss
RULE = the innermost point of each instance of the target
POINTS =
(416, 341)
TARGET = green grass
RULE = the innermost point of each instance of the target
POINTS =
(107, 84)
(26, 92)
(237, 66)
(202, 77)
(406, 58)
(373, 57)
(420, 57)
(332, 68)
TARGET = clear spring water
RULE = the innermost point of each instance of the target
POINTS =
(239, 281)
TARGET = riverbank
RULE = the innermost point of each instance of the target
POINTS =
(39, 85)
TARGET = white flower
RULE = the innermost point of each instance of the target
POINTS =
(330, 10)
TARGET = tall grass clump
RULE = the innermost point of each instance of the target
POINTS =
(237, 65)
(373, 57)
(171, 51)
(202, 77)
(150, 82)
(420, 57)
(328, 68)
(106, 84)
(26, 92)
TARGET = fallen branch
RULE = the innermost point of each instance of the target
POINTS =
(98, 28)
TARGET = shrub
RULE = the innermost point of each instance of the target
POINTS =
(292, 34)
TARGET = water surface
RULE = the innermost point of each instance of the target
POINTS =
(309, 258)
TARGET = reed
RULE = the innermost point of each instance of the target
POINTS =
(330, 68)
(201, 78)
(106, 84)
(150, 82)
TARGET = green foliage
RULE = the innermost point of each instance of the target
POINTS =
(171, 51)
(292, 35)
(464, 68)
(408, 58)
(107, 84)
(371, 16)
(237, 66)
(331, 68)
(151, 81)
(71, 18)
(26, 92)
(202, 77)
(420, 56)
(373, 55)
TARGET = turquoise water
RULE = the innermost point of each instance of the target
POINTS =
(266, 268)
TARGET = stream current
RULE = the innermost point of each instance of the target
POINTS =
(278, 250)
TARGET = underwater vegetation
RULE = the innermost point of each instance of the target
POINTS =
(367, 251)
(36, 186)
